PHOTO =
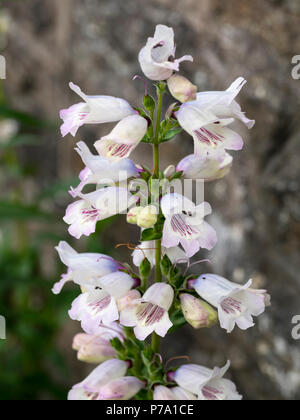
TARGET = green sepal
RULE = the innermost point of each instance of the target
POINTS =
(141, 112)
(149, 104)
(165, 265)
(177, 175)
(145, 268)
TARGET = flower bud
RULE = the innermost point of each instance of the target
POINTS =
(133, 215)
(147, 218)
(182, 89)
(121, 389)
(170, 171)
(93, 349)
(80, 340)
(197, 313)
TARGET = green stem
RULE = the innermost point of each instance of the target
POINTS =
(155, 343)
(158, 274)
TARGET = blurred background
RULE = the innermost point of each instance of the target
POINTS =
(95, 43)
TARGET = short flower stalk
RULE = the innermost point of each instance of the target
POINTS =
(125, 310)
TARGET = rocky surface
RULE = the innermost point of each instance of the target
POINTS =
(257, 208)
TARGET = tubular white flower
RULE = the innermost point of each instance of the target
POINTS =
(150, 313)
(162, 393)
(236, 304)
(207, 384)
(93, 348)
(102, 171)
(94, 110)
(99, 304)
(121, 389)
(84, 269)
(101, 376)
(223, 104)
(205, 119)
(183, 394)
(206, 168)
(211, 136)
(155, 57)
(83, 215)
(185, 224)
(146, 249)
(107, 332)
(123, 139)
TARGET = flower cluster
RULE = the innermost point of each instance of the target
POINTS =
(120, 305)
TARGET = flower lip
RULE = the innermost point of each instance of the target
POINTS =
(161, 295)
(157, 56)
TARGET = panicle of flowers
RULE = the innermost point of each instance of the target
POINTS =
(119, 305)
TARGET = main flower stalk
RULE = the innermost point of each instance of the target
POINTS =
(156, 154)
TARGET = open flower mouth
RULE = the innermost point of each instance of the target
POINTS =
(159, 44)
(100, 305)
(149, 314)
(82, 115)
(119, 150)
(212, 394)
(89, 215)
(179, 226)
(232, 306)
(209, 137)
(91, 396)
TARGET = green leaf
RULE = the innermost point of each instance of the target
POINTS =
(166, 265)
(142, 112)
(146, 139)
(177, 175)
(117, 345)
(147, 356)
(149, 103)
(150, 235)
(145, 268)
(170, 134)
(178, 320)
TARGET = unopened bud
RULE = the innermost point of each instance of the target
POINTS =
(93, 349)
(182, 89)
(147, 218)
(197, 313)
(170, 171)
(133, 215)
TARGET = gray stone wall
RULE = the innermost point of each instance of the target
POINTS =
(256, 209)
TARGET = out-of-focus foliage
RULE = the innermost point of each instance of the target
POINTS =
(30, 360)
(29, 355)
(33, 364)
